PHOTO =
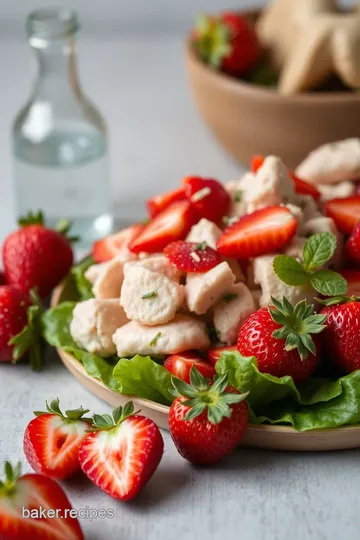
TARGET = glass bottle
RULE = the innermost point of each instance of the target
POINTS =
(59, 137)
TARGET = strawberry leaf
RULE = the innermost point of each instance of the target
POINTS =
(32, 218)
(328, 283)
(318, 250)
(290, 271)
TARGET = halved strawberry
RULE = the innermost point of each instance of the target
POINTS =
(215, 353)
(2, 278)
(301, 186)
(352, 246)
(345, 212)
(192, 257)
(181, 364)
(209, 199)
(109, 247)
(52, 440)
(123, 454)
(353, 279)
(264, 231)
(157, 204)
(171, 224)
(34, 507)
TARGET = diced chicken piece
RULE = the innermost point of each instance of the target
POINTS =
(327, 224)
(232, 311)
(336, 191)
(150, 298)
(179, 335)
(271, 285)
(94, 323)
(205, 290)
(209, 232)
(236, 191)
(295, 248)
(256, 296)
(236, 269)
(332, 163)
(250, 283)
(109, 280)
(159, 264)
(297, 213)
(204, 231)
(144, 255)
(309, 207)
(272, 186)
(93, 272)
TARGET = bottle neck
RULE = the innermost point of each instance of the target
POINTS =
(57, 70)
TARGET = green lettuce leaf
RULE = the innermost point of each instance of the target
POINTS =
(144, 378)
(339, 411)
(244, 375)
(83, 286)
(56, 331)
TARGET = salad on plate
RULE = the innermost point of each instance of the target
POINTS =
(256, 279)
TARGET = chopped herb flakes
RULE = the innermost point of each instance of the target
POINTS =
(154, 340)
(230, 296)
(151, 294)
(238, 195)
(201, 247)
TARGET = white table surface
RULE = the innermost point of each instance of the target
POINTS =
(156, 138)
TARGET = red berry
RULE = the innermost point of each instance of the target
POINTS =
(353, 245)
(121, 457)
(173, 223)
(13, 318)
(217, 423)
(345, 212)
(214, 354)
(181, 364)
(264, 231)
(256, 338)
(116, 244)
(341, 338)
(209, 199)
(353, 280)
(192, 257)
(2, 278)
(158, 203)
(35, 256)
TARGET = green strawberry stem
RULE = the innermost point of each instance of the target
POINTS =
(202, 396)
(7, 487)
(71, 415)
(297, 324)
(105, 422)
(212, 40)
(29, 339)
(37, 218)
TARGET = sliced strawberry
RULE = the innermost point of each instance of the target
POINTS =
(34, 507)
(214, 354)
(301, 186)
(353, 279)
(192, 257)
(123, 454)
(208, 197)
(171, 224)
(352, 247)
(52, 441)
(2, 278)
(109, 247)
(181, 364)
(264, 231)
(345, 212)
(158, 203)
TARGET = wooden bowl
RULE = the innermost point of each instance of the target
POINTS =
(249, 119)
(262, 436)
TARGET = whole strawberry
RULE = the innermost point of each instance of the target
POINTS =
(227, 42)
(13, 318)
(353, 245)
(280, 337)
(207, 421)
(52, 440)
(35, 256)
(341, 338)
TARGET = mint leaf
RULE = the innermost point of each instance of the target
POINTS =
(328, 283)
(289, 270)
(142, 377)
(318, 250)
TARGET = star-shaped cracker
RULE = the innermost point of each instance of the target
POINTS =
(309, 40)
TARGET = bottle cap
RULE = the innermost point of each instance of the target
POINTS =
(52, 23)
